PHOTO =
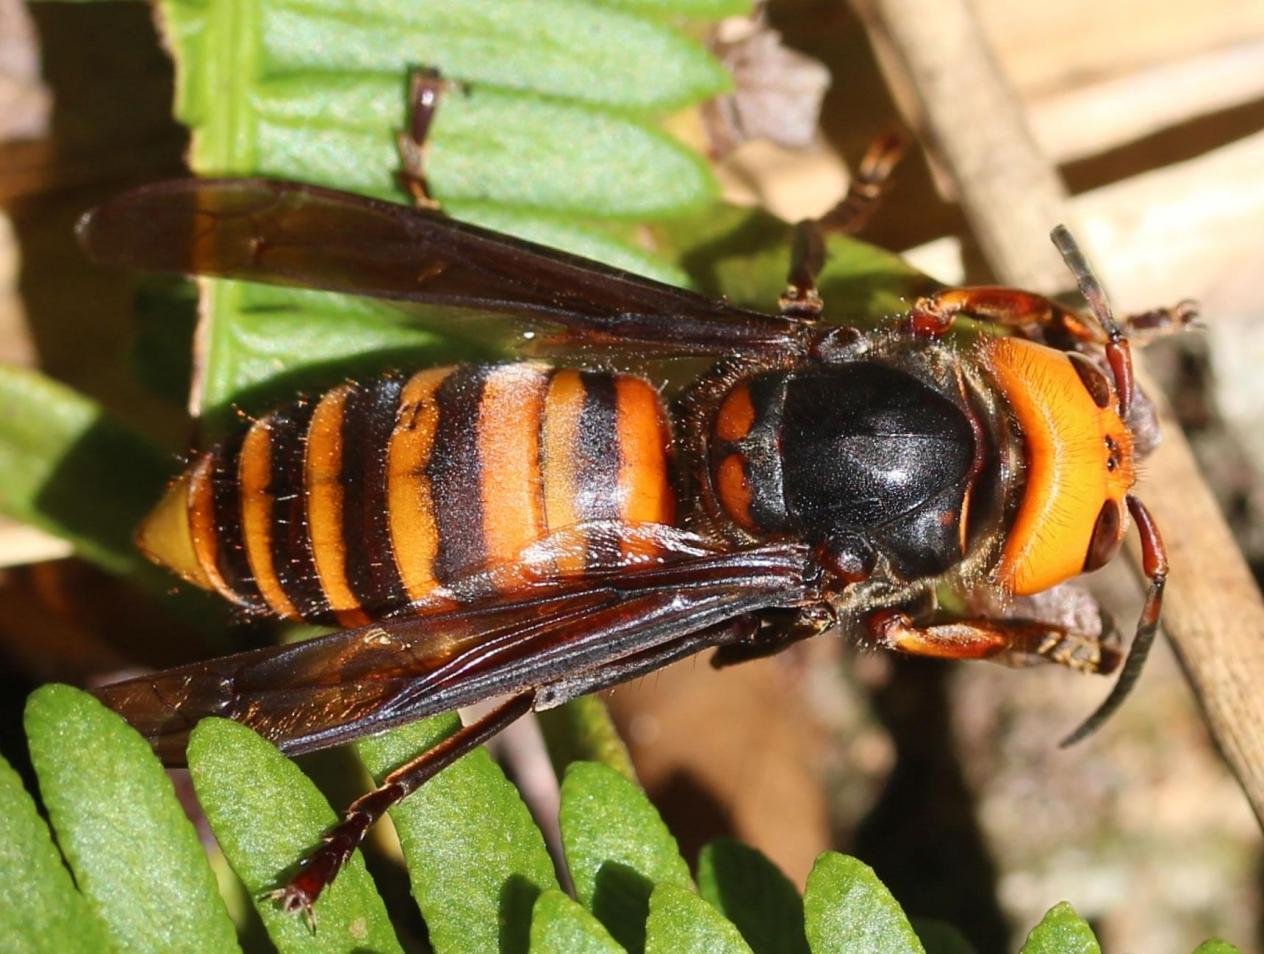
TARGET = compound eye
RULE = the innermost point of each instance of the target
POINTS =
(1093, 378)
(1104, 543)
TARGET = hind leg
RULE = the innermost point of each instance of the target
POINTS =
(426, 89)
(807, 256)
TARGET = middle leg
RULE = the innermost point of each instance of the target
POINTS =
(1015, 642)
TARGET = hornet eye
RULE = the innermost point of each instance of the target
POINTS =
(1095, 381)
(1104, 543)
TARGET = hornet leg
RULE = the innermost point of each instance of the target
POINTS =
(1017, 642)
(320, 867)
(1034, 316)
(426, 88)
(807, 255)
(868, 185)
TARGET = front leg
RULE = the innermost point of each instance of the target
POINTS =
(1016, 642)
(1034, 316)
(1020, 311)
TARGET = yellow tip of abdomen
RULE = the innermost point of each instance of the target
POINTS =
(166, 535)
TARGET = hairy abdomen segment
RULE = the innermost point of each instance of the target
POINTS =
(446, 486)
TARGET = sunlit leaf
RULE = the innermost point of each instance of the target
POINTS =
(1061, 931)
(617, 849)
(560, 926)
(266, 816)
(680, 922)
(752, 892)
(476, 859)
(134, 853)
(1216, 946)
(849, 911)
(40, 909)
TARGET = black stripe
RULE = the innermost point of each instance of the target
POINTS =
(368, 418)
(597, 463)
(455, 475)
(230, 546)
(292, 557)
(761, 450)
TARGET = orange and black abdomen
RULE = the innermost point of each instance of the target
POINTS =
(420, 489)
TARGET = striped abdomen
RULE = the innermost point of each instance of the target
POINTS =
(406, 489)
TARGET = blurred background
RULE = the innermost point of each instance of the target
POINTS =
(947, 779)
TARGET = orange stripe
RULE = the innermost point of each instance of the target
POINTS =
(202, 525)
(645, 495)
(414, 533)
(736, 415)
(255, 476)
(734, 489)
(322, 478)
(509, 461)
(563, 405)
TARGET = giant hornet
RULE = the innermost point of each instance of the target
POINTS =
(532, 532)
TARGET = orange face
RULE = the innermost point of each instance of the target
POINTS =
(1079, 464)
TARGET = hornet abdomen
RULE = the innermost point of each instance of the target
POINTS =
(416, 489)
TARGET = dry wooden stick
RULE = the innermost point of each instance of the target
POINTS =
(1012, 195)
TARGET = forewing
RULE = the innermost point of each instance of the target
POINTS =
(293, 234)
(328, 690)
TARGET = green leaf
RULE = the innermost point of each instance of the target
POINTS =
(475, 856)
(134, 853)
(560, 48)
(550, 114)
(680, 922)
(1061, 931)
(560, 926)
(268, 344)
(849, 911)
(752, 892)
(71, 470)
(521, 150)
(940, 937)
(582, 730)
(40, 910)
(617, 849)
(1216, 946)
(266, 815)
(688, 8)
(485, 144)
